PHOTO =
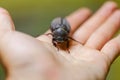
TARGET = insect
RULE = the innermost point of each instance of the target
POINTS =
(60, 29)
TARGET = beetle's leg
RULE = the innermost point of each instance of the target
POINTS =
(49, 34)
(67, 45)
(73, 39)
(55, 44)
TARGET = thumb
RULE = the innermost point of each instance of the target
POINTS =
(6, 23)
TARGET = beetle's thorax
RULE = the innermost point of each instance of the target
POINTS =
(60, 35)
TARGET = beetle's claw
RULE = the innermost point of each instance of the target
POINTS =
(49, 34)
(68, 50)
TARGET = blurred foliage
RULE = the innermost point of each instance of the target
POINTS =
(34, 16)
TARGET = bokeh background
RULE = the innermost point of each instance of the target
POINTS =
(34, 16)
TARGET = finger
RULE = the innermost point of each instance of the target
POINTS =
(77, 18)
(105, 32)
(83, 33)
(112, 49)
(6, 23)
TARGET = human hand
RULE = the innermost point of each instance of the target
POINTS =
(29, 58)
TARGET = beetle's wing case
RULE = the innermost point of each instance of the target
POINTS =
(66, 25)
(55, 23)
(58, 23)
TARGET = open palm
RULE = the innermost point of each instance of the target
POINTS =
(28, 58)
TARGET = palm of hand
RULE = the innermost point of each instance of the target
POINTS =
(41, 57)
(81, 59)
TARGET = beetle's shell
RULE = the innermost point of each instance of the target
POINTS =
(60, 23)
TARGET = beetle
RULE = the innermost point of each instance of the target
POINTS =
(60, 29)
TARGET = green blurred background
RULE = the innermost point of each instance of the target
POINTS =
(34, 16)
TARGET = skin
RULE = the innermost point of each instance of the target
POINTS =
(29, 58)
